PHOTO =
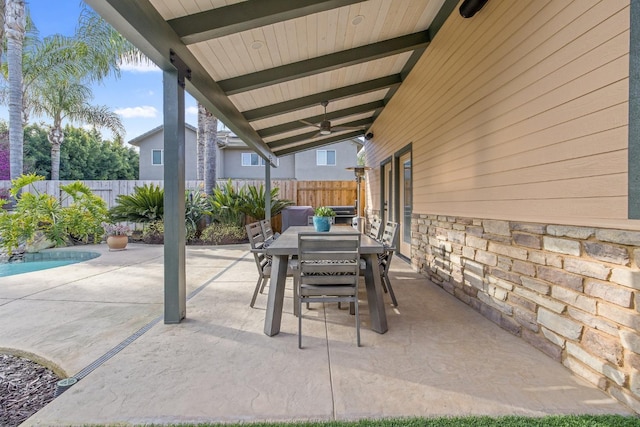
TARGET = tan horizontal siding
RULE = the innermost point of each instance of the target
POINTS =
(519, 113)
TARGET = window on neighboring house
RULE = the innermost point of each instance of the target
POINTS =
(326, 157)
(252, 159)
(157, 157)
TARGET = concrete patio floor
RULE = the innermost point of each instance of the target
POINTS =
(439, 356)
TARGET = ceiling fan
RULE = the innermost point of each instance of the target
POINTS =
(325, 125)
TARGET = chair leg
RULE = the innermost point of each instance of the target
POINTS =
(264, 284)
(255, 292)
(385, 278)
(357, 323)
(299, 303)
(296, 309)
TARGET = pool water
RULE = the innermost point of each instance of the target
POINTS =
(44, 261)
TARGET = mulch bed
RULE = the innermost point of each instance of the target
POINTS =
(25, 387)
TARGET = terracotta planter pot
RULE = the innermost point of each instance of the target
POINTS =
(117, 243)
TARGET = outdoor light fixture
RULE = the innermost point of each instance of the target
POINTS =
(468, 8)
(359, 173)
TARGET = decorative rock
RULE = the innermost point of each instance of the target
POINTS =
(622, 237)
(603, 346)
(536, 285)
(496, 227)
(486, 258)
(570, 231)
(595, 363)
(507, 250)
(608, 292)
(528, 240)
(598, 323)
(626, 277)
(574, 299)
(630, 341)
(529, 227)
(525, 268)
(586, 373)
(542, 344)
(619, 315)
(476, 242)
(560, 277)
(606, 252)
(563, 246)
(586, 268)
(559, 324)
(541, 300)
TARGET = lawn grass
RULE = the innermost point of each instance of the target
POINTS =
(472, 421)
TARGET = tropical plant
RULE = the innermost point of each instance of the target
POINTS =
(227, 204)
(196, 207)
(36, 213)
(83, 216)
(146, 204)
(324, 211)
(254, 202)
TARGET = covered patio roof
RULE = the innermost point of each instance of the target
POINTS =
(264, 67)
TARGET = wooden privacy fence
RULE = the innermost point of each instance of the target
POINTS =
(302, 193)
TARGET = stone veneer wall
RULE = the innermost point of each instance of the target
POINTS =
(572, 292)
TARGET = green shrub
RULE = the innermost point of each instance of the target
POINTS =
(84, 216)
(146, 204)
(153, 233)
(254, 202)
(220, 234)
(196, 207)
(227, 204)
(37, 213)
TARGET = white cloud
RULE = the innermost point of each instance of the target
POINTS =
(144, 66)
(146, 111)
(192, 110)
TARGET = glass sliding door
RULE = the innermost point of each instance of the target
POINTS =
(405, 195)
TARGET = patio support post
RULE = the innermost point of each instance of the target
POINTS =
(267, 191)
(175, 302)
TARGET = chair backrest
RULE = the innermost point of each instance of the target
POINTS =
(256, 240)
(329, 258)
(374, 228)
(267, 231)
(389, 234)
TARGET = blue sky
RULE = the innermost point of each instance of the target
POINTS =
(136, 96)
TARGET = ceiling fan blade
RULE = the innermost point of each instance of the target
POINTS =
(309, 123)
(339, 128)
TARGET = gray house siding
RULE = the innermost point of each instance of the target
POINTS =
(346, 154)
(301, 166)
(154, 140)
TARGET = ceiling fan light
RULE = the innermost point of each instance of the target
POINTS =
(325, 127)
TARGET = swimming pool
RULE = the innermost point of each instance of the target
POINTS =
(45, 260)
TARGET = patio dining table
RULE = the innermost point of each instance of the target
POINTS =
(287, 245)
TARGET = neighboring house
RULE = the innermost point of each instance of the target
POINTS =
(236, 161)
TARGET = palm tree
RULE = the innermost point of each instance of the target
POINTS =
(210, 153)
(105, 49)
(207, 148)
(15, 22)
(68, 99)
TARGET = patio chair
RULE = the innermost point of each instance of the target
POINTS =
(374, 228)
(267, 231)
(263, 261)
(388, 241)
(328, 271)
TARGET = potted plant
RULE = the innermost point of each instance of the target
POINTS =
(322, 218)
(117, 235)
